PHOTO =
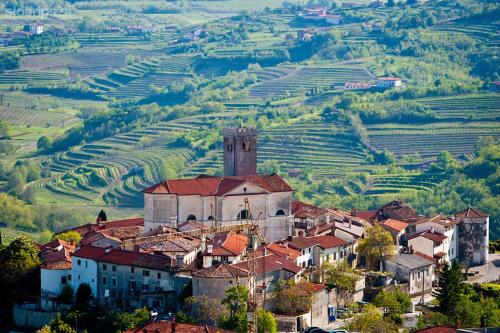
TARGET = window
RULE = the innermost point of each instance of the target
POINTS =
(131, 285)
(113, 268)
(132, 270)
(86, 264)
(243, 146)
(145, 273)
(145, 287)
(224, 259)
(280, 212)
(63, 280)
(413, 276)
(113, 282)
(78, 277)
(159, 275)
(79, 262)
(191, 217)
(451, 251)
(104, 267)
(211, 218)
(309, 250)
(303, 252)
(335, 256)
(229, 147)
(104, 281)
(243, 215)
(69, 277)
(418, 275)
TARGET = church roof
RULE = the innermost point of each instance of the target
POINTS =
(218, 186)
(471, 213)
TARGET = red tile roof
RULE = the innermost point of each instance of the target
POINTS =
(304, 210)
(300, 243)
(438, 219)
(471, 213)
(221, 270)
(161, 326)
(85, 229)
(227, 244)
(57, 259)
(89, 252)
(437, 329)
(395, 224)
(320, 229)
(328, 241)
(211, 185)
(368, 215)
(433, 236)
(283, 251)
(53, 244)
(425, 256)
(271, 263)
(96, 236)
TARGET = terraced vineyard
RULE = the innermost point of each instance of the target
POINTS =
(31, 77)
(474, 106)
(407, 182)
(83, 63)
(36, 118)
(301, 80)
(429, 140)
(326, 148)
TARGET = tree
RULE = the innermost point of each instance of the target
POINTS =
(266, 323)
(394, 303)
(206, 311)
(290, 298)
(236, 301)
(370, 320)
(57, 325)
(69, 236)
(450, 289)
(377, 244)
(126, 320)
(83, 295)
(43, 143)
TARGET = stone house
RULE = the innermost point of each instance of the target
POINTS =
(415, 270)
(330, 249)
(213, 281)
(305, 246)
(473, 236)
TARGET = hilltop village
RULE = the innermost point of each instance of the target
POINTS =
(198, 234)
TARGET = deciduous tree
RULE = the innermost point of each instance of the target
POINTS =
(377, 244)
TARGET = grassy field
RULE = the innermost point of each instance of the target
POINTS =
(9, 235)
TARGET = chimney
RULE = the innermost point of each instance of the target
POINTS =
(179, 258)
(350, 223)
(432, 230)
(210, 248)
(108, 248)
(354, 211)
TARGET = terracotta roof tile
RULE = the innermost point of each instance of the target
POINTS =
(300, 243)
(283, 251)
(56, 243)
(161, 326)
(422, 255)
(212, 185)
(471, 213)
(89, 252)
(271, 263)
(433, 236)
(227, 244)
(85, 229)
(221, 270)
(395, 224)
(328, 241)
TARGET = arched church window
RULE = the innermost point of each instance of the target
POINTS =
(229, 147)
(191, 217)
(244, 214)
(211, 218)
(243, 146)
(280, 212)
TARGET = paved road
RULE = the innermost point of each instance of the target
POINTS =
(488, 273)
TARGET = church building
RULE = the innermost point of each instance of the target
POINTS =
(222, 198)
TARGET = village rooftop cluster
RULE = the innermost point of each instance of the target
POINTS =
(130, 263)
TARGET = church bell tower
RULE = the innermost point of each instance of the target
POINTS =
(240, 151)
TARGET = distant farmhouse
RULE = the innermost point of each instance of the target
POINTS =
(320, 14)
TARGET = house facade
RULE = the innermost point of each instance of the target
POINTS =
(415, 270)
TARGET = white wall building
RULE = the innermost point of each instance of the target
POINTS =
(206, 198)
(418, 272)
(388, 82)
(84, 268)
(447, 227)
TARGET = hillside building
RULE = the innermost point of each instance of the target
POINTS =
(388, 82)
(36, 28)
(416, 271)
(240, 151)
(473, 236)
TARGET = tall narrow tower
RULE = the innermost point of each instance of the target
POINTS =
(240, 151)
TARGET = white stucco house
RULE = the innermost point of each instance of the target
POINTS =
(84, 267)
(209, 198)
(442, 225)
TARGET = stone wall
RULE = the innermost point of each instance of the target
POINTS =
(25, 317)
